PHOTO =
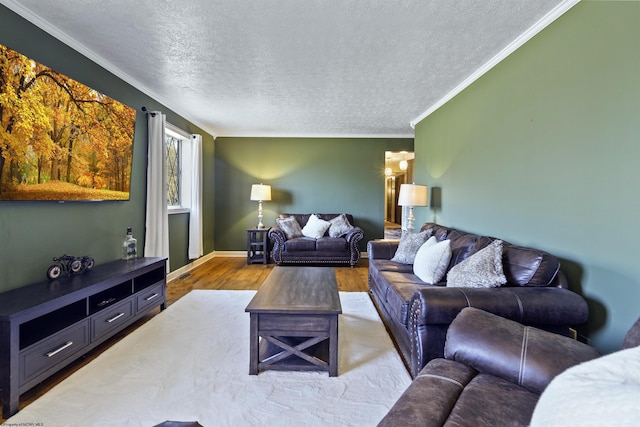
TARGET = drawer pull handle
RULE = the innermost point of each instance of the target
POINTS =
(149, 298)
(54, 352)
(113, 319)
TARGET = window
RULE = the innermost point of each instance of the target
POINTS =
(178, 150)
(173, 170)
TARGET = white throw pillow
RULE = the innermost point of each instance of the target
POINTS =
(481, 270)
(432, 260)
(315, 227)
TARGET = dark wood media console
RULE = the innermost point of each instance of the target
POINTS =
(47, 325)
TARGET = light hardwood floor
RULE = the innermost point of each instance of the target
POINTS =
(218, 273)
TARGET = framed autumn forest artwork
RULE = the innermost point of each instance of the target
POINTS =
(59, 139)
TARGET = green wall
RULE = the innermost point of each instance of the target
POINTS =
(31, 234)
(543, 151)
(306, 175)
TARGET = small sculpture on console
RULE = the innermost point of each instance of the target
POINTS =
(70, 265)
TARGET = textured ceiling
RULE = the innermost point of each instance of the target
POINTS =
(291, 67)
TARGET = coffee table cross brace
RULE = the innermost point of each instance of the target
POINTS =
(295, 312)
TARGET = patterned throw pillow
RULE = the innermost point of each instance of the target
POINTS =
(409, 245)
(481, 270)
(432, 260)
(290, 227)
(315, 227)
(339, 226)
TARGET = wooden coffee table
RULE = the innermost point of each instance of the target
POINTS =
(294, 321)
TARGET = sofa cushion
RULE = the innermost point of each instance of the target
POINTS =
(290, 227)
(528, 266)
(440, 231)
(315, 227)
(481, 270)
(409, 245)
(493, 401)
(388, 265)
(465, 244)
(517, 353)
(450, 393)
(331, 244)
(339, 226)
(398, 296)
(300, 244)
(432, 259)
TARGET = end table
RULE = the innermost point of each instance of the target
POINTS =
(258, 245)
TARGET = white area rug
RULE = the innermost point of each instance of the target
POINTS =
(191, 363)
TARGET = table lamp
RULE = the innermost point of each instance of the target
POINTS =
(260, 193)
(412, 195)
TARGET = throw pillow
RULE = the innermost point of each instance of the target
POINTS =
(315, 227)
(290, 227)
(432, 260)
(481, 270)
(409, 245)
(339, 226)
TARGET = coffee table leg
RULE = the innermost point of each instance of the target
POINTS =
(333, 346)
(253, 344)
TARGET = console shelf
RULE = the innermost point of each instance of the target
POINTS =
(47, 325)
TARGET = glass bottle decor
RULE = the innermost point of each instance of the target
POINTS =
(129, 246)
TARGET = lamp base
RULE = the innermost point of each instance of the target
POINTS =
(260, 224)
(410, 221)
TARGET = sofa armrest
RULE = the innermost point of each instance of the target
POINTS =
(433, 308)
(278, 238)
(354, 235)
(528, 305)
(524, 355)
(277, 235)
(382, 249)
(431, 396)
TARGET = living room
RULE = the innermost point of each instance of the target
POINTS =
(541, 151)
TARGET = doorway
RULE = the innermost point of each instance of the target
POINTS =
(398, 170)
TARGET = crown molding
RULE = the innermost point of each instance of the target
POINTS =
(318, 136)
(65, 38)
(550, 17)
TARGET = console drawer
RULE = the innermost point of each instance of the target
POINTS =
(112, 319)
(150, 297)
(55, 349)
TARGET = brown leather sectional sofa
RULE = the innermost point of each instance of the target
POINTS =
(418, 314)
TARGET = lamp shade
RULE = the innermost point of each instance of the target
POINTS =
(412, 195)
(260, 192)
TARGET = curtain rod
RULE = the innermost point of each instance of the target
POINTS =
(148, 112)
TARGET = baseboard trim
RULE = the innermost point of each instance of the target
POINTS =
(230, 254)
(186, 268)
(219, 254)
